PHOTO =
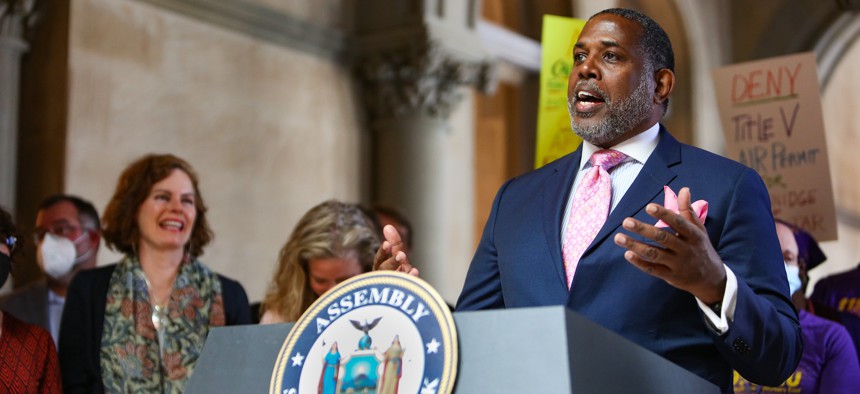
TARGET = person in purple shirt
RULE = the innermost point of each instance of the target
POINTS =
(829, 363)
(837, 297)
(838, 293)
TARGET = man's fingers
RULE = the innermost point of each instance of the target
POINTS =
(685, 207)
(384, 259)
(392, 237)
(398, 262)
(635, 258)
(643, 251)
(381, 255)
(653, 233)
(387, 265)
(647, 267)
(403, 263)
(684, 227)
(390, 255)
(390, 264)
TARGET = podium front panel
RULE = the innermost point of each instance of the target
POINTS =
(528, 350)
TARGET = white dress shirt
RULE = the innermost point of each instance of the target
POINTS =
(55, 313)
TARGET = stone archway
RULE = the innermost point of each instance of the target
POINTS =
(837, 52)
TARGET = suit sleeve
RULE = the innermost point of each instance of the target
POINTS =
(236, 306)
(763, 342)
(483, 288)
(79, 364)
(824, 300)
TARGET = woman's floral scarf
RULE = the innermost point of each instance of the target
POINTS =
(130, 359)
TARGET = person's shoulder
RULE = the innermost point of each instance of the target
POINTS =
(717, 170)
(271, 317)
(92, 281)
(822, 336)
(233, 291)
(560, 165)
(812, 321)
(235, 301)
(820, 327)
(227, 282)
(13, 326)
(852, 273)
(228, 285)
(26, 292)
(705, 157)
(95, 274)
(838, 280)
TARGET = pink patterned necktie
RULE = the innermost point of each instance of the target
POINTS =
(590, 208)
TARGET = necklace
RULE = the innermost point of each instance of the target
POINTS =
(159, 315)
(159, 308)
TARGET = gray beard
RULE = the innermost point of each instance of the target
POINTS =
(620, 118)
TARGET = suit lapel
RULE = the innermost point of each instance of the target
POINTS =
(556, 192)
(655, 174)
(45, 307)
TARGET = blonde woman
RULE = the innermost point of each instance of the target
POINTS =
(332, 242)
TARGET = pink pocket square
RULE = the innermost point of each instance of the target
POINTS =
(700, 207)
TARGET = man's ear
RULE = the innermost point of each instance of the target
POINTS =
(665, 82)
(95, 237)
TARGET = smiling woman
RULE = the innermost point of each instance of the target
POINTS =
(159, 301)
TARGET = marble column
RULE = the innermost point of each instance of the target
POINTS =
(13, 17)
(416, 64)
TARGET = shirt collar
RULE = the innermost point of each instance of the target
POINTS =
(639, 147)
(54, 298)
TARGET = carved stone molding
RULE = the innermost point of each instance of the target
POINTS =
(264, 23)
(418, 80)
(13, 17)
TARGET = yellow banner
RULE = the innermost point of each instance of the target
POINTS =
(554, 136)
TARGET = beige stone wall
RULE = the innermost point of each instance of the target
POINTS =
(271, 131)
(842, 125)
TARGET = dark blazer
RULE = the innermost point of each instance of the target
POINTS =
(83, 321)
(518, 263)
(29, 304)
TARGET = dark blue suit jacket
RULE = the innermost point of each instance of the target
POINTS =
(518, 263)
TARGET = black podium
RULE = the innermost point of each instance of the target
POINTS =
(529, 350)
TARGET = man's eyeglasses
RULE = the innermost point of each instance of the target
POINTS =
(10, 241)
(60, 230)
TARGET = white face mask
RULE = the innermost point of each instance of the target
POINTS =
(57, 254)
(793, 273)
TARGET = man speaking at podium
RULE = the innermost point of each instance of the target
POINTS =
(602, 231)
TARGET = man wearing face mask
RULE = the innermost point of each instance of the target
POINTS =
(67, 239)
(829, 361)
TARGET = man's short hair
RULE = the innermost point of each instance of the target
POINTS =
(654, 41)
(87, 213)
